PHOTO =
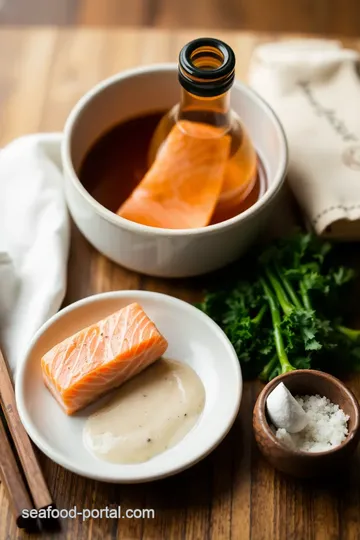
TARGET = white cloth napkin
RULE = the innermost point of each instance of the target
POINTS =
(34, 239)
(314, 87)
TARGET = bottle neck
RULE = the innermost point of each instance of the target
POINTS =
(209, 110)
(219, 104)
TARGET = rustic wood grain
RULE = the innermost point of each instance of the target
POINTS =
(25, 12)
(11, 477)
(233, 493)
(34, 477)
(317, 16)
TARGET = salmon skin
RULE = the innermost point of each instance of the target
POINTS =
(101, 357)
(181, 188)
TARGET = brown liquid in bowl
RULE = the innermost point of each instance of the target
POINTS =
(118, 161)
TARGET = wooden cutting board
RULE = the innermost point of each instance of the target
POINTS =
(232, 494)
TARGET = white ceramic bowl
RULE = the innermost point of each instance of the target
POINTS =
(155, 251)
(201, 344)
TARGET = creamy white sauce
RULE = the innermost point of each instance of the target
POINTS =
(147, 415)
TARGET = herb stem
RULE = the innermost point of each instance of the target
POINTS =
(276, 320)
(257, 320)
(268, 369)
(280, 293)
(305, 296)
(288, 287)
(351, 333)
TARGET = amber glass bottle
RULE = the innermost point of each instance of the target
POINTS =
(206, 75)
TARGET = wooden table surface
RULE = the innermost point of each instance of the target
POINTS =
(233, 493)
(318, 16)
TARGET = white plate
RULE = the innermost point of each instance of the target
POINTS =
(193, 338)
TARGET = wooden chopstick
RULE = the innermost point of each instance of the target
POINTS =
(38, 488)
(17, 491)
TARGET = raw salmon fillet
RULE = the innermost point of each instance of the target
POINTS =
(181, 188)
(101, 357)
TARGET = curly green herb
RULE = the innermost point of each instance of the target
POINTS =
(287, 315)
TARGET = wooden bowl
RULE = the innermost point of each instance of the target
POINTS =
(306, 464)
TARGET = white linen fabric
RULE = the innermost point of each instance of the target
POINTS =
(34, 239)
(314, 87)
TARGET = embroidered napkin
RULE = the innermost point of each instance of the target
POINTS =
(314, 87)
(34, 240)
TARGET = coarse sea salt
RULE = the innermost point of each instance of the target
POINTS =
(326, 427)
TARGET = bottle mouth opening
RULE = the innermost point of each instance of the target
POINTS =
(206, 67)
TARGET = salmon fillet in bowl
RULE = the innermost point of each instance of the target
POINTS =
(153, 250)
(146, 325)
